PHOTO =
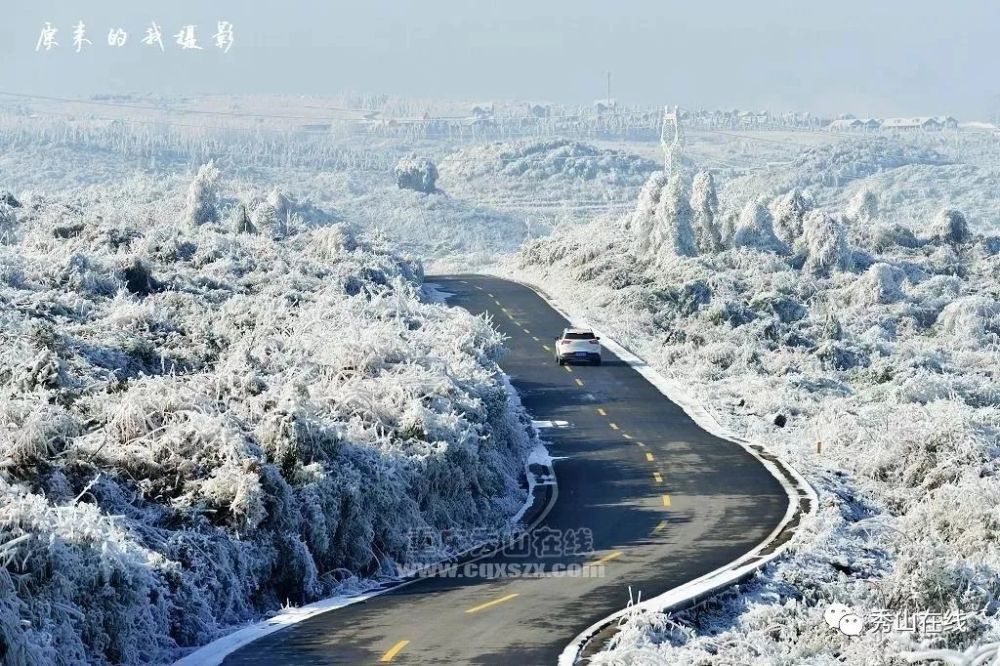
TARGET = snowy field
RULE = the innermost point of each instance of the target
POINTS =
(235, 364)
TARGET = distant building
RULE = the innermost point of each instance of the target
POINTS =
(845, 125)
(911, 124)
(483, 111)
(947, 122)
(538, 110)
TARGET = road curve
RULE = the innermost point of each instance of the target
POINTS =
(664, 501)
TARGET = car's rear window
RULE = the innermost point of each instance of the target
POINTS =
(579, 336)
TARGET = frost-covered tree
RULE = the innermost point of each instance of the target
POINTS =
(203, 196)
(416, 173)
(826, 244)
(950, 226)
(728, 230)
(643, 218)
(863, 206)
(788, 213)
(705, 204)
(241, 222)
(673, 232)
(755, 229)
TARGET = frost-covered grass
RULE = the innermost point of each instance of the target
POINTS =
(882, 350)
(217, 404)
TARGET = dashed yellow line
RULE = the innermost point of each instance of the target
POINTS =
(614, 426)
(607, 558)
(649, 456)
(661, 526)
(601, 412)
(393, 651)
(666, 500)
(579, 382)
(490, 604)
(657, 477)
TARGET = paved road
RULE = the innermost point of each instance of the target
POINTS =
(664, 502)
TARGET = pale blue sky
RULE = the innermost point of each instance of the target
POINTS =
(873, 57)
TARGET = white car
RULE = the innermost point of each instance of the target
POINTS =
(578, 344)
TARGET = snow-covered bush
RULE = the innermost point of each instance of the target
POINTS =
(826, 244)
(950, 226)
(755, 229)
(416, 173)
(788, 212)
(705, 204)
(203, 196)
(199, 426)
(673, 231)
(892, 370)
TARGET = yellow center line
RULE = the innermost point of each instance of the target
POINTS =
(601, 412)
(579, 382)
(546, 348)
(489, 604)
(666, 500)
(626, 435)
(568, 369)
(662, 525)
(393, 651)
(607, 558)
(658, 477)
(649, 456)
(614, 426)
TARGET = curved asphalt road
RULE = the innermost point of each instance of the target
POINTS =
(665, 502)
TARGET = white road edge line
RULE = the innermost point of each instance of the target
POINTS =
(213, 654)
(727, 574)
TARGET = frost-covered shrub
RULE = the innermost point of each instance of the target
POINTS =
(198, 427)
(416, 173)
(950, 226)
(203, 196)
(888, 379)
(673, 232)
(755, 230)
(972, 320)
(705, 204)
(881, 284)
(826, 244)
(789, 212)
(863, 207)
